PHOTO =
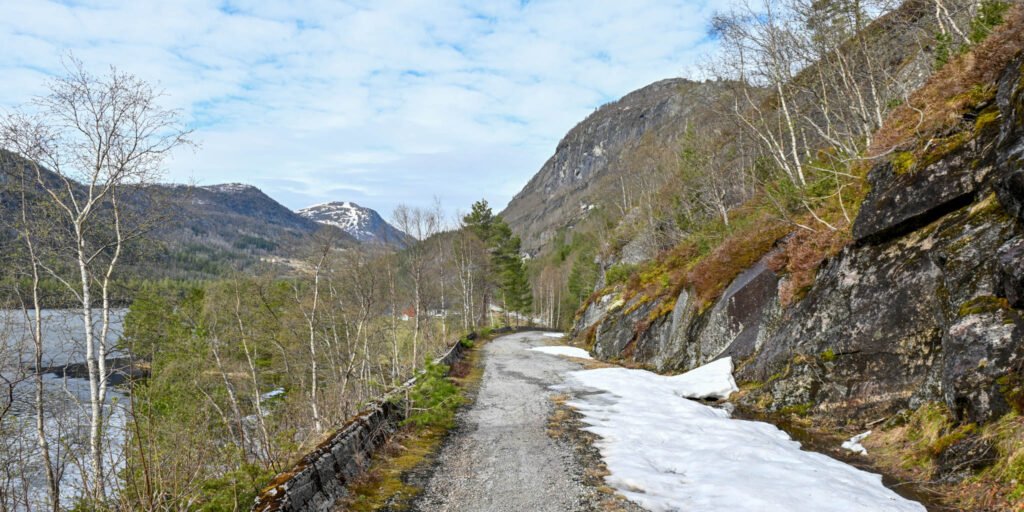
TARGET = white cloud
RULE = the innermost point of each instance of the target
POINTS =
(374, 102)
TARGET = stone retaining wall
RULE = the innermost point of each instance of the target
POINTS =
(319, 480)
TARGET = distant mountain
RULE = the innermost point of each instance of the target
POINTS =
(237, 215)
(216, 229)
(206, 231)
(363, 224)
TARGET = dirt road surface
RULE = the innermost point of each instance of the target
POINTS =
(501, 458)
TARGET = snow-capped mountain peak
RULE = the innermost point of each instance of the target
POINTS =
(364, 224)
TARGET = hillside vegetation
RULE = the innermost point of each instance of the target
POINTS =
(848, 271)
(784, 128)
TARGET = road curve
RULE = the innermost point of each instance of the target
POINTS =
(501, 458)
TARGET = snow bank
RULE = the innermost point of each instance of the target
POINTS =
(668, 453)
(853, 444)
(564, 351)
(713, 380)
(554, 335)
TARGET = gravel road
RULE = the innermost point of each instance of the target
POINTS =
(501, 458)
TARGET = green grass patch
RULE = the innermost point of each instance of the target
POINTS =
(903, 162)
(385, 485)
(617, 274)
(797, 409)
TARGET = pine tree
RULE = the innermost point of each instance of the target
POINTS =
(480, 220)
(508, 273)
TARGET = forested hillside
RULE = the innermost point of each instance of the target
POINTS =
(191, 232)
(798, 96)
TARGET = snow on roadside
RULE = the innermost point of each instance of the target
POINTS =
(564, 351)
(713, 380)
(667, 453)
(554, 335)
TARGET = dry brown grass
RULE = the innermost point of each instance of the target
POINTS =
(961, 84)
(908, 450)
(801, 255)
(560, 417)
(737, 252)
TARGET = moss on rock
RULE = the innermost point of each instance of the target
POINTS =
(982, 305)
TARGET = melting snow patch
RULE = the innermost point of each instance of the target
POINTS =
(272, 393)
(713, 380)
(853, 444)
(668, 453)
(564, 351)
(554, 335)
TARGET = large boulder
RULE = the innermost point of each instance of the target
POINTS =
(619, 327)
(1010, 272)
(900, 202)
(982, 347)
(744, 317)
(1010, 99)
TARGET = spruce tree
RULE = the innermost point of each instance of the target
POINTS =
(508, 273)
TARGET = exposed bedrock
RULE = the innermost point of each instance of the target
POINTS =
(925, 305)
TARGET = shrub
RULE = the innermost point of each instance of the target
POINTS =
(801, 256)
(943, 43)
(990, 15)
(736, 253)
(239, 485)
(619, 273)
(433, 399)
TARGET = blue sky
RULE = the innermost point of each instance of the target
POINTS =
(376, 102)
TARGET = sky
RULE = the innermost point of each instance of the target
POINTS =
(377, 102)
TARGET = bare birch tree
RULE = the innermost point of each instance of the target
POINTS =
(421, 225)
(95, 140)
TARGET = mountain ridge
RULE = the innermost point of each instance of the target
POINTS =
(363, 224)
(583, 173)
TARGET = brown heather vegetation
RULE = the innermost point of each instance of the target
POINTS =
(814, 227)
(964, 82)
(736, 253)
(707, 260)
(800, 256)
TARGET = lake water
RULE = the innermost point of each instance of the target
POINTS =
(23, 484)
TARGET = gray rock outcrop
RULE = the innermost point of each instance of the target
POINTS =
(925, 305)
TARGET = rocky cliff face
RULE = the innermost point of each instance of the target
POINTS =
(925, 305)
(584, 172)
